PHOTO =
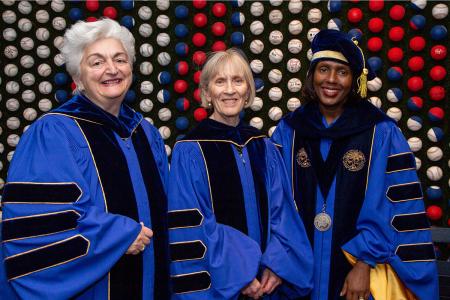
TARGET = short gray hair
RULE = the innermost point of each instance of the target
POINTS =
(83, 34)
(215, 64)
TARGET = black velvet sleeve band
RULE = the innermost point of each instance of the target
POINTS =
(36, 193)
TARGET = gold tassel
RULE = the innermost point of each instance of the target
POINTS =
(362, 83)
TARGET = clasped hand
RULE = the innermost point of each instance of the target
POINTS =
(256, 289)
(142, 240)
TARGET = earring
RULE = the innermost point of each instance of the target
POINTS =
(246, 102)
(209, 104)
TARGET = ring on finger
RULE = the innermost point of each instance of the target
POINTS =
(143, 248)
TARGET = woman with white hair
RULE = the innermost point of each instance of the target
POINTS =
(84, 209)
(234, 231)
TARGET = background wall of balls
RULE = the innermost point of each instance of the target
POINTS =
(406, 43)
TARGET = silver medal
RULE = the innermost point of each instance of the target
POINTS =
(322, 221)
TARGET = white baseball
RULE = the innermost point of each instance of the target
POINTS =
(28, 79)
(434, 173)
(276, 37)
(295, 46)
(59, 23)
(256, 122)
(256, 46)
(145, 30)
(164, 58)
(413, 125)
(163, 39)
(375, 84)
(2, 185)
(271, 130)
(164, 114)
(145, 13)
(418, 162)
(275, 76)
(146, 50)
(12, 87)
(11, 70)
(312, 33)
(275, 113)
(165, 132)
(146, 68)
(419, 3)
(162, 21)
(10, 155)
(8, 2)
(44, 70)
(146, 87)
(58, 42)
(257, 104)
(43, 51)
(13, 140)
(45, 105)
(415, 143)
(30, 114)
(293, 104)
(13, 123)
(57, 5)
(168, 150)
(276, 2)
(295, 6)
(150, 120)
(26, 43)
(42, 34)
(24, 7)
(9, 16)
(26, 128)
(294, 65)
(9, 34)
(275, 93)
(256, 27)
(440, 11)
(45, 87)
(294, 85)
(42, 16)
(275, 16)
(162, 4)
(257, 9)
(59, 59)
(395, 113)
(24, 25)
(295, 27)
(27, 61)
(10, 52)
(41, 2)
(435, 153)
(332, 25)
(146, 105)
(275, 55)
(257, 66)
(314, 15)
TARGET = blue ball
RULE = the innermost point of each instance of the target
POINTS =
(61, 96)
(356, 33)
(181, 31)
(181, 12)
(164, 77)
(435, 134)
(394, 94)
(335, 24)
(237, 3)
(237, 38)
(393, 74)
(434, 193)
(417, 22)
(182, 104)
(181, 49)
(438, 32)
(61, 78)
(414, 103)
(182, 123)
(127, 4)
(375, 63)
(163, 96)
(259, 84)
(127, 21)
(76, 14)
(130, 96)
(334, 6)
(237, 19)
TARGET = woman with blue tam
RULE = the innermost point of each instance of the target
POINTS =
(355, 184)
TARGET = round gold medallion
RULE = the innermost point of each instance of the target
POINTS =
(302, 158)
(322, 221)
(354, 160)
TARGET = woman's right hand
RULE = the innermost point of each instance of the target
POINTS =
(253, 290)
(142, 240)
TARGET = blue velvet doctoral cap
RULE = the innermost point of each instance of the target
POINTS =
(336, 45)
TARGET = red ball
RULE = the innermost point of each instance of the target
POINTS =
(197, 77)
(110, 12)
(200, 20)
(199, 39)
(354, 15)
(434, 212)
(376, 5)
(199, 58)
(395, 54)
(396, 33)
(91, 19)
(374, 44)
(73, 85)
(417, 43)
(180, 86)
(92, 5)
(218, 29)
(182, 68)
(219, 9)
(438, 73)
(218, 46)
(397, 12)
(200, 114)
(437, 112)
(416, 63)
(437, 93)
(376, 25)
(197, 95)
(438, 52)
(199, 4)
(415, 83)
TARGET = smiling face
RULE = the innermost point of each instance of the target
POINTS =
(227, 92)
(332, 83)
(105, 74)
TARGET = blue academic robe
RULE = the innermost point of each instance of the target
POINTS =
(80, 183)
(231, 215)
(390, 228)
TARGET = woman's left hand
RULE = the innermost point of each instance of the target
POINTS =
(269, 281)
(357, 282)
